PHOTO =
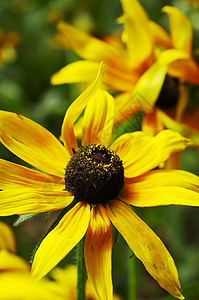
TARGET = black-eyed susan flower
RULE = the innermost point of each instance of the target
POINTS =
(103, 180)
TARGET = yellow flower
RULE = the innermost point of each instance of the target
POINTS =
(7, 239)
(7, 43)
(68, 278)
(102, 180)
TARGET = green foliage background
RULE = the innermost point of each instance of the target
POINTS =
(25, 88)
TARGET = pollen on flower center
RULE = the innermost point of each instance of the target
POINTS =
(94, 174)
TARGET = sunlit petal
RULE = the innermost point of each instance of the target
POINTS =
(141, 152)
(10, 262)
(151, 123)
(32, 143)
(75, 110)
(160, 36)
(61, 240)
(147, 246)
(98, 119)
(98, 251)
(162, 187)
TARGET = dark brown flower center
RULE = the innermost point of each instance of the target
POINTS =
(94, 174)
(169, 94)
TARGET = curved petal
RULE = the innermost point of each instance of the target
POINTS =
(186, 70)
(137, 34)
(61, 240)
(162, 187)
(78, 71)
(141, 152)
(32, 143)
(147, 246)
(7, 239)
(75, 109)
(160, 35)
(10, 262)
(98, 119)
(180, 29)
(98, 251)
(151, 123)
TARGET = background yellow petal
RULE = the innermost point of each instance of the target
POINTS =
(61, 240)
(7, 239)
(160, 36)
(137, 34)
(78, 71)
(75, 109)
(141, 152)
(98, 119)
(32, 143)
(147, 246)
(98, 252)
(10, 262)
(162, 187)
(180, 29)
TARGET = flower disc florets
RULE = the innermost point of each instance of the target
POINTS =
(94, 174)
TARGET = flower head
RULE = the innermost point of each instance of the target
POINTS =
(101, 179)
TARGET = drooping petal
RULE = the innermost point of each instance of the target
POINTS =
(75, 110)
(7, 239)
(137, 34)
(141, 152)
(61, 240)
(162, 187)
(98, 119)
(147, 246)
(151, 123)
(32, 143)
(23, 190)
(180, 29)
(98, 252)
(160, 36)
(78, 71)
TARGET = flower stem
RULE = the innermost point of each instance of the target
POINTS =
(81, 271)
(132, 276)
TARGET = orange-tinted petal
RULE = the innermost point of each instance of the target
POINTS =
(98, 251)
(32, 143)
(180, 29)
(61, 240)
(141, 152)
(98, 119)
(75, 110)
(147, 246)
(162, 187)
(151, 123)
(160, 36)
(78, 71)
(7, 239)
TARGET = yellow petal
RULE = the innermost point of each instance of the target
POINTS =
(7, 239)
(151, 123)
(147, 246)
(160, 36)
(17, 285)
(61, 240)
(162, 187)
(98, 119)
(12, 263)
(180, 29)
(138, 37)
(187, 129)
(32, 143)
(75, 110)
(98, 251)
(79, 71)
(141, 152)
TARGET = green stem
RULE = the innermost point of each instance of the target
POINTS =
(81, 271)
(132, 276)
